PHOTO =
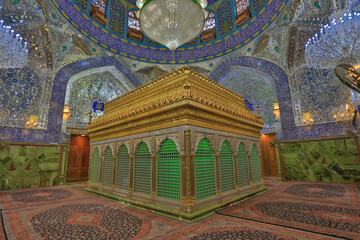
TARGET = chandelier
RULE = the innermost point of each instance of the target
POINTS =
(172, 22)
(337, 43)
(13, 50)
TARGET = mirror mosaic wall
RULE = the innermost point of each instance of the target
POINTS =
(318, 92)
(101, 87)
(255, 86)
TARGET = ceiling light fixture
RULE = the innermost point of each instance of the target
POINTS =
(172, 22)
(13, 50)
(337, 43)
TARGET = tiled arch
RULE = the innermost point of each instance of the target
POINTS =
(281, 83)
(52, 134)
(289, 129)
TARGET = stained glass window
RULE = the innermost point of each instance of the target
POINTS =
(209, 22)
(133, 21)
(241, 7)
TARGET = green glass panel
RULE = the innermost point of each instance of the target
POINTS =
(108, 168)
(255, 166)
(204, 170)
(95, 167)
(123, 168)
(142, 178)
(168, 171)
(242, 165)
(226, 167)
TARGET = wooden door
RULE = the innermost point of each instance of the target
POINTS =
(78, 159)
(268, 155)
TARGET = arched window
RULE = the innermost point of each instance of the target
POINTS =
(226, 167)
(98, 11)
(208, 32)
(95, 167)
(242, 12)
(108, 168)
(168, 170)
(142, 172)
(204, 170)
(134, 29)
(122, 168)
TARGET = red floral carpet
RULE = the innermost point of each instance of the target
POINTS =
(272, 182)
(222, 227)
(2, 234)
(291, 210)
(39, 196)
(331, 209)
(85, 219)
(323, 192)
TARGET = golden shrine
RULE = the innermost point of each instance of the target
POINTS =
(182, 145)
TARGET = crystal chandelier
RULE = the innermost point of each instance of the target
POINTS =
(337, 43)
(13, 50)
(172, 22)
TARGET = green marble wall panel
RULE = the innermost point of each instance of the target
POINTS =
(31, 166)
(326, 160)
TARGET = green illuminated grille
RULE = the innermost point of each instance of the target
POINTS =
(226, 167)
(108, 168)
(168, 171)
(242, 166)
(204, 170)
(255, 166)
(95, 167)
(142, 178)
(122, 168)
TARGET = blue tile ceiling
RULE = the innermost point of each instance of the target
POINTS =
(160, 54)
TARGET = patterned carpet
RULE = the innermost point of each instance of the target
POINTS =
(272, 182)
(2, 234)
(291, 210)
(323, 192)
(331, 209)
(222, 227)
(39, 196)
(85, 219)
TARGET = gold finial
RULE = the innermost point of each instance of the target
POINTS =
(89, 122)
(259, 115)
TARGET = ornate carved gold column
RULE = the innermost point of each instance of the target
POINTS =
(236, 172)
(153, 178)
(102, 149)
(188, 176)
(249, 167)
(115, 152)
(132, 167)
(90, 164)
(217, 174)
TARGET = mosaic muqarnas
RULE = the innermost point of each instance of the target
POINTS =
(182, 145)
